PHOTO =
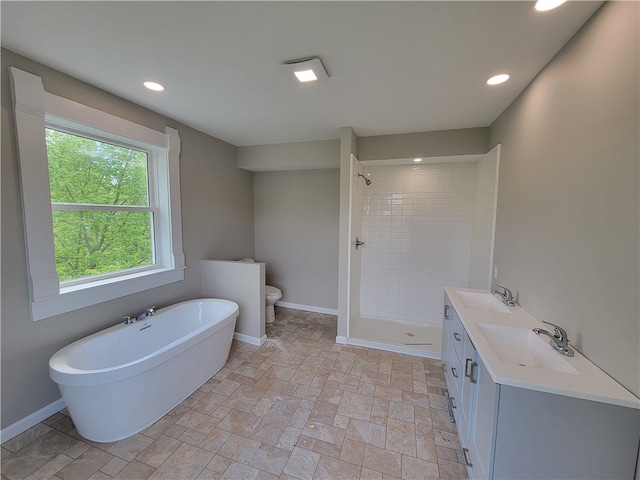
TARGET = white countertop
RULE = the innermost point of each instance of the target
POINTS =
(590, 383)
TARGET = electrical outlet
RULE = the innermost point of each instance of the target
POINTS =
(495, 272)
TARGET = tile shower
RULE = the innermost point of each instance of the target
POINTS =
(425, 226)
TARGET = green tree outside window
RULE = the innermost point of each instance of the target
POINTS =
(102, 222)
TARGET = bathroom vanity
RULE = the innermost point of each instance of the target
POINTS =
(522, 409)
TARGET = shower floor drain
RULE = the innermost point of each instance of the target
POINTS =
(410, 334)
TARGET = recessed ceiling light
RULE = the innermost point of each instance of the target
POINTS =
(545, 5)
(306, 70)
(305, 75)
(156, 87)
(417, 160)
(498, 79)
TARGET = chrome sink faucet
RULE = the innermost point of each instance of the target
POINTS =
(507, 296)
(559, 340)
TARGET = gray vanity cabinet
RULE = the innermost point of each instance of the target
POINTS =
(462, 374)
(511, 433)
(546, 436)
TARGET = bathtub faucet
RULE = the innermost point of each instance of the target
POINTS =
(147, 312)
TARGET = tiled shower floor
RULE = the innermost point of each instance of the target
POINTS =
(299, 407)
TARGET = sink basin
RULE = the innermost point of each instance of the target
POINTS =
(520, 346)
(482, 301)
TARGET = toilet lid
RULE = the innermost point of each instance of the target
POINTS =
(269, 290)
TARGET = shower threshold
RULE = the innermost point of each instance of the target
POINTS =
(398, 336)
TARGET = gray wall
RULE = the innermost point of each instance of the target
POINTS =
(314, 155)
(217, 220)
(465, 141)
(567, 238)
(296, 234)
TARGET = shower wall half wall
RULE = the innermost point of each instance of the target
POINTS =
(425, 226)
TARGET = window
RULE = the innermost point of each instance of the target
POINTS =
(102, 217)
(101, 201)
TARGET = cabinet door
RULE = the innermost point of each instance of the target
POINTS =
(467, 384)
(480, 440)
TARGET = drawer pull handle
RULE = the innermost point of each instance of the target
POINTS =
(452, 419)
(466, 457)
(456, 335)
(467, 371)
(446, 312)
(454, 372)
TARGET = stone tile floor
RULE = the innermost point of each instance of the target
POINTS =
(299, 407)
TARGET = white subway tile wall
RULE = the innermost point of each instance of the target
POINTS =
(417, 225)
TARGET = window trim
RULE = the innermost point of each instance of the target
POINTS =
(32, 106)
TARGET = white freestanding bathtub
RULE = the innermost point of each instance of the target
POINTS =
(119, 381)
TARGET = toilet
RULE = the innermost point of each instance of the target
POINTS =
(272, 295)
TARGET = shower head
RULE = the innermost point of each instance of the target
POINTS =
(366, 180)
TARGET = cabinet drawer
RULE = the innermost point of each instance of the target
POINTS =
(454, 377)
(454, 383)
(457, 336)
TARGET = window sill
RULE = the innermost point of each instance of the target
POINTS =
(80, 296)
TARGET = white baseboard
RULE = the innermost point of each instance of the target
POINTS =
(342, 340)
(308, 308)
(241, 337)
(29, 421)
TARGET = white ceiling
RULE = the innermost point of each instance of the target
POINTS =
(395, 67)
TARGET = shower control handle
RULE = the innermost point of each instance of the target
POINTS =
(358, 243)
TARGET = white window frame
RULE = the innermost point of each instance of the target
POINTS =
(34, 109)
